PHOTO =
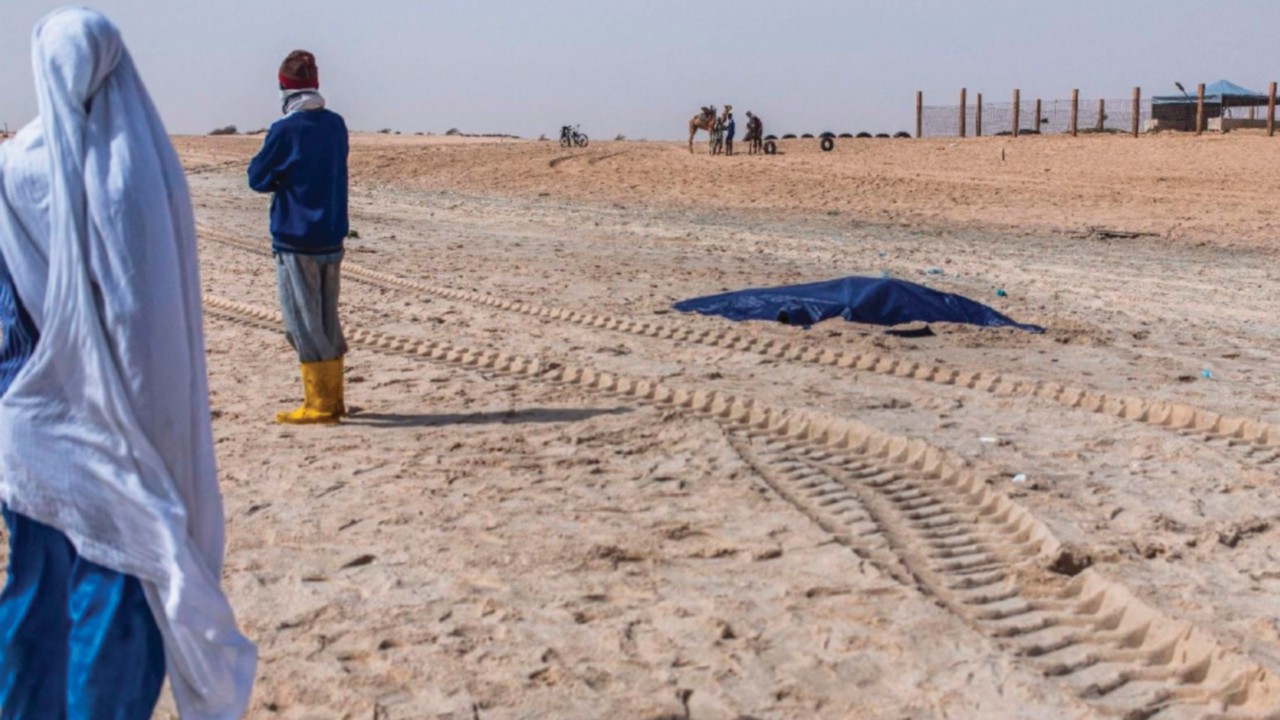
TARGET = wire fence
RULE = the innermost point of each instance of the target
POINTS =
(1093, 115)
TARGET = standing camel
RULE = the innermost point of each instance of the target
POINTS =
(706, 120)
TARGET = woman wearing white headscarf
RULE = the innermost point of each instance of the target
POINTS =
(106, 457)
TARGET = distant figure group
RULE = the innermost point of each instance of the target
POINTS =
(722, 130)
(722, 135)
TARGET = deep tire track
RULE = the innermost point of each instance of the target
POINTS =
(1252, 441)
(1118, 654)
(916, 512)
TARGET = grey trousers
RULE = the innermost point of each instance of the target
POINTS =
(308, 287)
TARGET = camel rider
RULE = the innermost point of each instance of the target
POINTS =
(303, 161)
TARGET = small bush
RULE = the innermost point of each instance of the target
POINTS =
(620, 138)
(228, 130)
(353, 234)
(902, 134)
(542, 138)
(259, 131)
(453, 131)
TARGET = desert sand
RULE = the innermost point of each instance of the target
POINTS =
(559, 499)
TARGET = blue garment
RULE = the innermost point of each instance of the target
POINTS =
(303, 161)
(77, 640)
(730, 128)
(857, 299)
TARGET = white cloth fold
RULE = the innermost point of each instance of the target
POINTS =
(292, 101)
(105, 434)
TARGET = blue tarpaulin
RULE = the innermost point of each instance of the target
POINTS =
(1222, 92)
(857, 299)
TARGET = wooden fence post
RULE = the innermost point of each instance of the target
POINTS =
(1075, 113)
(963, 102)
(1137, 109)
(1200, 108)
(1017, 108)
(1102, 116)
(1271, 110)
(1039, 115)
(977, 117)
(919, 114)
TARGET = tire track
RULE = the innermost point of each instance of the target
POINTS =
(1252, 441)
(607, 156)
(1118, 654)
(917, 512)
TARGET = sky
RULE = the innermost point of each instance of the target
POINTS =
(641, 68)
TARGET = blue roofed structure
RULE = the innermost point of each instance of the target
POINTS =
(1222, 93)
(1178, 112)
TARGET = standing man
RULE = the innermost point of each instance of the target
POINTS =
(730, 129)
(303, 161)
(755, 134)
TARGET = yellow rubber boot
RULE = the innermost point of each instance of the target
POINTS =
(337, 381)
(321, 393)
(334, 386)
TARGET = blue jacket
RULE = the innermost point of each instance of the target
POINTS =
(303, 161)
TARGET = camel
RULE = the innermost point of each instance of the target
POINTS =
(706, 120)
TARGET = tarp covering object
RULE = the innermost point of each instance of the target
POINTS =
(874, 301)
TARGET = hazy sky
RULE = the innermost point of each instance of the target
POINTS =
(642, 67)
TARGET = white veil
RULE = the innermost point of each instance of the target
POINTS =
(105, 433)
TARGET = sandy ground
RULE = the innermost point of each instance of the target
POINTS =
(480, 545)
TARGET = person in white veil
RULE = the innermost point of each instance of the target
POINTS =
(106, 456)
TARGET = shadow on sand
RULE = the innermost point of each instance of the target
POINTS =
(506, 417)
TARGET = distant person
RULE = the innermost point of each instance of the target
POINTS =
(730, 129)
(303, 161)
(106, 453)
(717, 136)
(755, 134)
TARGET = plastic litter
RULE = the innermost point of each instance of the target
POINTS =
(1206, 374)
(989, 440)
(1019, 478)
(1001, 293)
(934, 271)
